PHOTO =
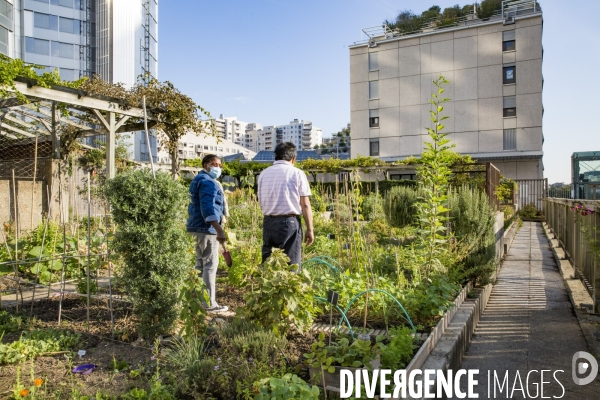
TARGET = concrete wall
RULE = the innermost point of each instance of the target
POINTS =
(471, 58)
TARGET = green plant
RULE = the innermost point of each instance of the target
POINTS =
(287, 387)
(192, 311)
(152, 243)
(279, 298)
(400, 206)
(9, 322)
(398, 353)
(434, 174)
(505, 190)
(472, 222)
(530, 211)
(36, 343)
(342, 352)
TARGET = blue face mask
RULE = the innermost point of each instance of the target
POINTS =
(215, 172)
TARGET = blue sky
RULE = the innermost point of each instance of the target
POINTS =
(270, 61)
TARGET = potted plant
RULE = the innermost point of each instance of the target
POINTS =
(326, 361)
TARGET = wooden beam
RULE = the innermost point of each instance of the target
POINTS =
(88, 102)
(110, 146)
(16, 130)
(26, 124)
(102, 119)
(121, 122)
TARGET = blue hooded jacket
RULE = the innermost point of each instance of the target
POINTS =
(206, 204)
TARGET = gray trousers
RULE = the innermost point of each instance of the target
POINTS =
(207, 261)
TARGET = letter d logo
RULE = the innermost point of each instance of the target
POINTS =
(583, 367)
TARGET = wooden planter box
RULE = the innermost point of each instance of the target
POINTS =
(332, 380)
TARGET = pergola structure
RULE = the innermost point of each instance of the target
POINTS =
(49, 107)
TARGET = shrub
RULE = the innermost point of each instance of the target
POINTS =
(398, 353)
(372, 207)
(153, 244)
(399, 206)
(530, 211)
(287, 387)
(472, 223)
(279, 299)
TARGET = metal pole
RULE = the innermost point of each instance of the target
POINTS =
(148, 137)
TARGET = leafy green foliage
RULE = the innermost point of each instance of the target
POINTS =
(472, 221)
(11, 68)
(434, 174)
(36, 343)
(229, 361)
(153, 244)
(279, 298)
(398, 353)
(10, 323)
(288, 386)
(342, 352)
(530, 211)
(505, 190)
(400, 206)
(193, 313)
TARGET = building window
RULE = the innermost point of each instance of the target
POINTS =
(373, 118)
(37, 46)
(62, 50)
(6, 9)
(373, 62)
(510, 106)
(510, 139)
(374, 147)
(45, 21)
(68, 25)
(62, 3)
(509, 75)
(373, 90)
(508, 40)
(3, 40)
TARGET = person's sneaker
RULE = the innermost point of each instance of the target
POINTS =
(217, 309)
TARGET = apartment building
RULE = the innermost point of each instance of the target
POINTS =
(116, 39)
(300, 132)
(192, 146)
(495, 71)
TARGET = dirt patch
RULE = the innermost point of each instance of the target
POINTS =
(62, 383)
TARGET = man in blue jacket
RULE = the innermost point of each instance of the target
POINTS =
(204, 223)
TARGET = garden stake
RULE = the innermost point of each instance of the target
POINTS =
(35, 151)
(88, 254)
(39, 263)
(148, 138)
(110, 299)
(16, 238)
(62, 272)
(14, 268)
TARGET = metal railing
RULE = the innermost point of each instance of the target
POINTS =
(531, 191)
(579, 236)
(510, 8)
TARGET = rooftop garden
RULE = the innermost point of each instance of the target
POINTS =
(434, 17)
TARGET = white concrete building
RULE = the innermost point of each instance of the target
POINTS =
(193, 146)
(300, 132)
(495, 71)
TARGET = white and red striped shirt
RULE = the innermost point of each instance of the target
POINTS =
(280, 187)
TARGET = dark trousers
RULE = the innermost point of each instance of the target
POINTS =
(284, 233)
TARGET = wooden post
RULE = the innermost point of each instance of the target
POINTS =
(595, 262)
(55, 137)
(110, 146)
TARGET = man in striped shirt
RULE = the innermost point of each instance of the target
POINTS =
(283, 193)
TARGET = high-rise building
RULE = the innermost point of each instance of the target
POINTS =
(494, 66)
(116, 39)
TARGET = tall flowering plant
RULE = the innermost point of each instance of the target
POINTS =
(579, 208)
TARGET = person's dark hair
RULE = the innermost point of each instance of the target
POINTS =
(285, 151)
(207, 159)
